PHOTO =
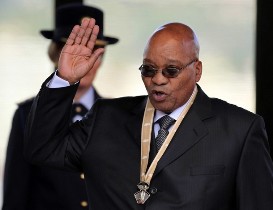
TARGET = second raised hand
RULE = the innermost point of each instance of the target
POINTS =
(77, 57)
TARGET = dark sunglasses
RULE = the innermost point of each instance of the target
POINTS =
(169, 72)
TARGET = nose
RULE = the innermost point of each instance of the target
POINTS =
(159, 78)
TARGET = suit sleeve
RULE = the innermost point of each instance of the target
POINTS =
(255, 173)
(47, 133)
(17, 170)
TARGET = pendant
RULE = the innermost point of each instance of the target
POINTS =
(142, 195)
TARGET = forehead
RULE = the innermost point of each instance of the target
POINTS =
(166, 49)
(172, 42)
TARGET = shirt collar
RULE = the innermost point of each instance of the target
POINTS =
(88, 98)
(175, 114)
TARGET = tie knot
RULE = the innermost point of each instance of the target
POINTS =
(165, 122)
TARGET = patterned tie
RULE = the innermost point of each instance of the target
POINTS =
(165, 123)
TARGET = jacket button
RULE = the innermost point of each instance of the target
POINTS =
(78, 109)
(82, 175)
(84, 204)
(153, 190)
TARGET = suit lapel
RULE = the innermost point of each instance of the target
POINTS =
(134, 122)
(190, 132)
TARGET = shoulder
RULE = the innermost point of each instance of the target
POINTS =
(236, 117)
(22, 111)
(230, 109)
(25, 105)
(223, 110)
(213, 106)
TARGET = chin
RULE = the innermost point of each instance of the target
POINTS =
(161, 107)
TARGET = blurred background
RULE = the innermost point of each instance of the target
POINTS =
(226, 31)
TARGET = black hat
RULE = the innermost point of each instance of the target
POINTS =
(69, 15)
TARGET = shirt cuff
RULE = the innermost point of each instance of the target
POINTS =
(57, 82)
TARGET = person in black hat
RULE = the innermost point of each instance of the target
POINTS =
(71, 14)
(29, 187)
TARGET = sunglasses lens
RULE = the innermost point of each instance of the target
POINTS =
(171, 72)
(147, 71)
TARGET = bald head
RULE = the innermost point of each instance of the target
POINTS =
(182, 34)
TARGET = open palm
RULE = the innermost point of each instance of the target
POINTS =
(77, 57)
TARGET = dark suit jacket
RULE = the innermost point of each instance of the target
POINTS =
(217, 160)
(30, 187)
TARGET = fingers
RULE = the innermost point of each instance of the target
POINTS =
(73, 35)
(85, 35)
(88, 27)
(93, 37)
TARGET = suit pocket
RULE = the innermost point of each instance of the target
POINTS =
(207, 170)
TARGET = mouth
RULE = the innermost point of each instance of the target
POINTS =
(158, 96)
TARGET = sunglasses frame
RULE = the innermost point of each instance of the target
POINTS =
(165, 70)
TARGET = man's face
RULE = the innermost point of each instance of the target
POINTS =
(167, 94)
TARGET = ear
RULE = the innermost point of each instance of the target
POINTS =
(198, 70)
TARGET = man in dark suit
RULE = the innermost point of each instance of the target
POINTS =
(175, 149)
(28, 187)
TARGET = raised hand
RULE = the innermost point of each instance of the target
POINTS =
(77, 57)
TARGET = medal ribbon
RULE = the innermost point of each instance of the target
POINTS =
(146, 131)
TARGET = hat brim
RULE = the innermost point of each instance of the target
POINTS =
(106, 40)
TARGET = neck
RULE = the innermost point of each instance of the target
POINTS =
(80, 92)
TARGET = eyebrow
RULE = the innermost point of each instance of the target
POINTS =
(169, 62)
